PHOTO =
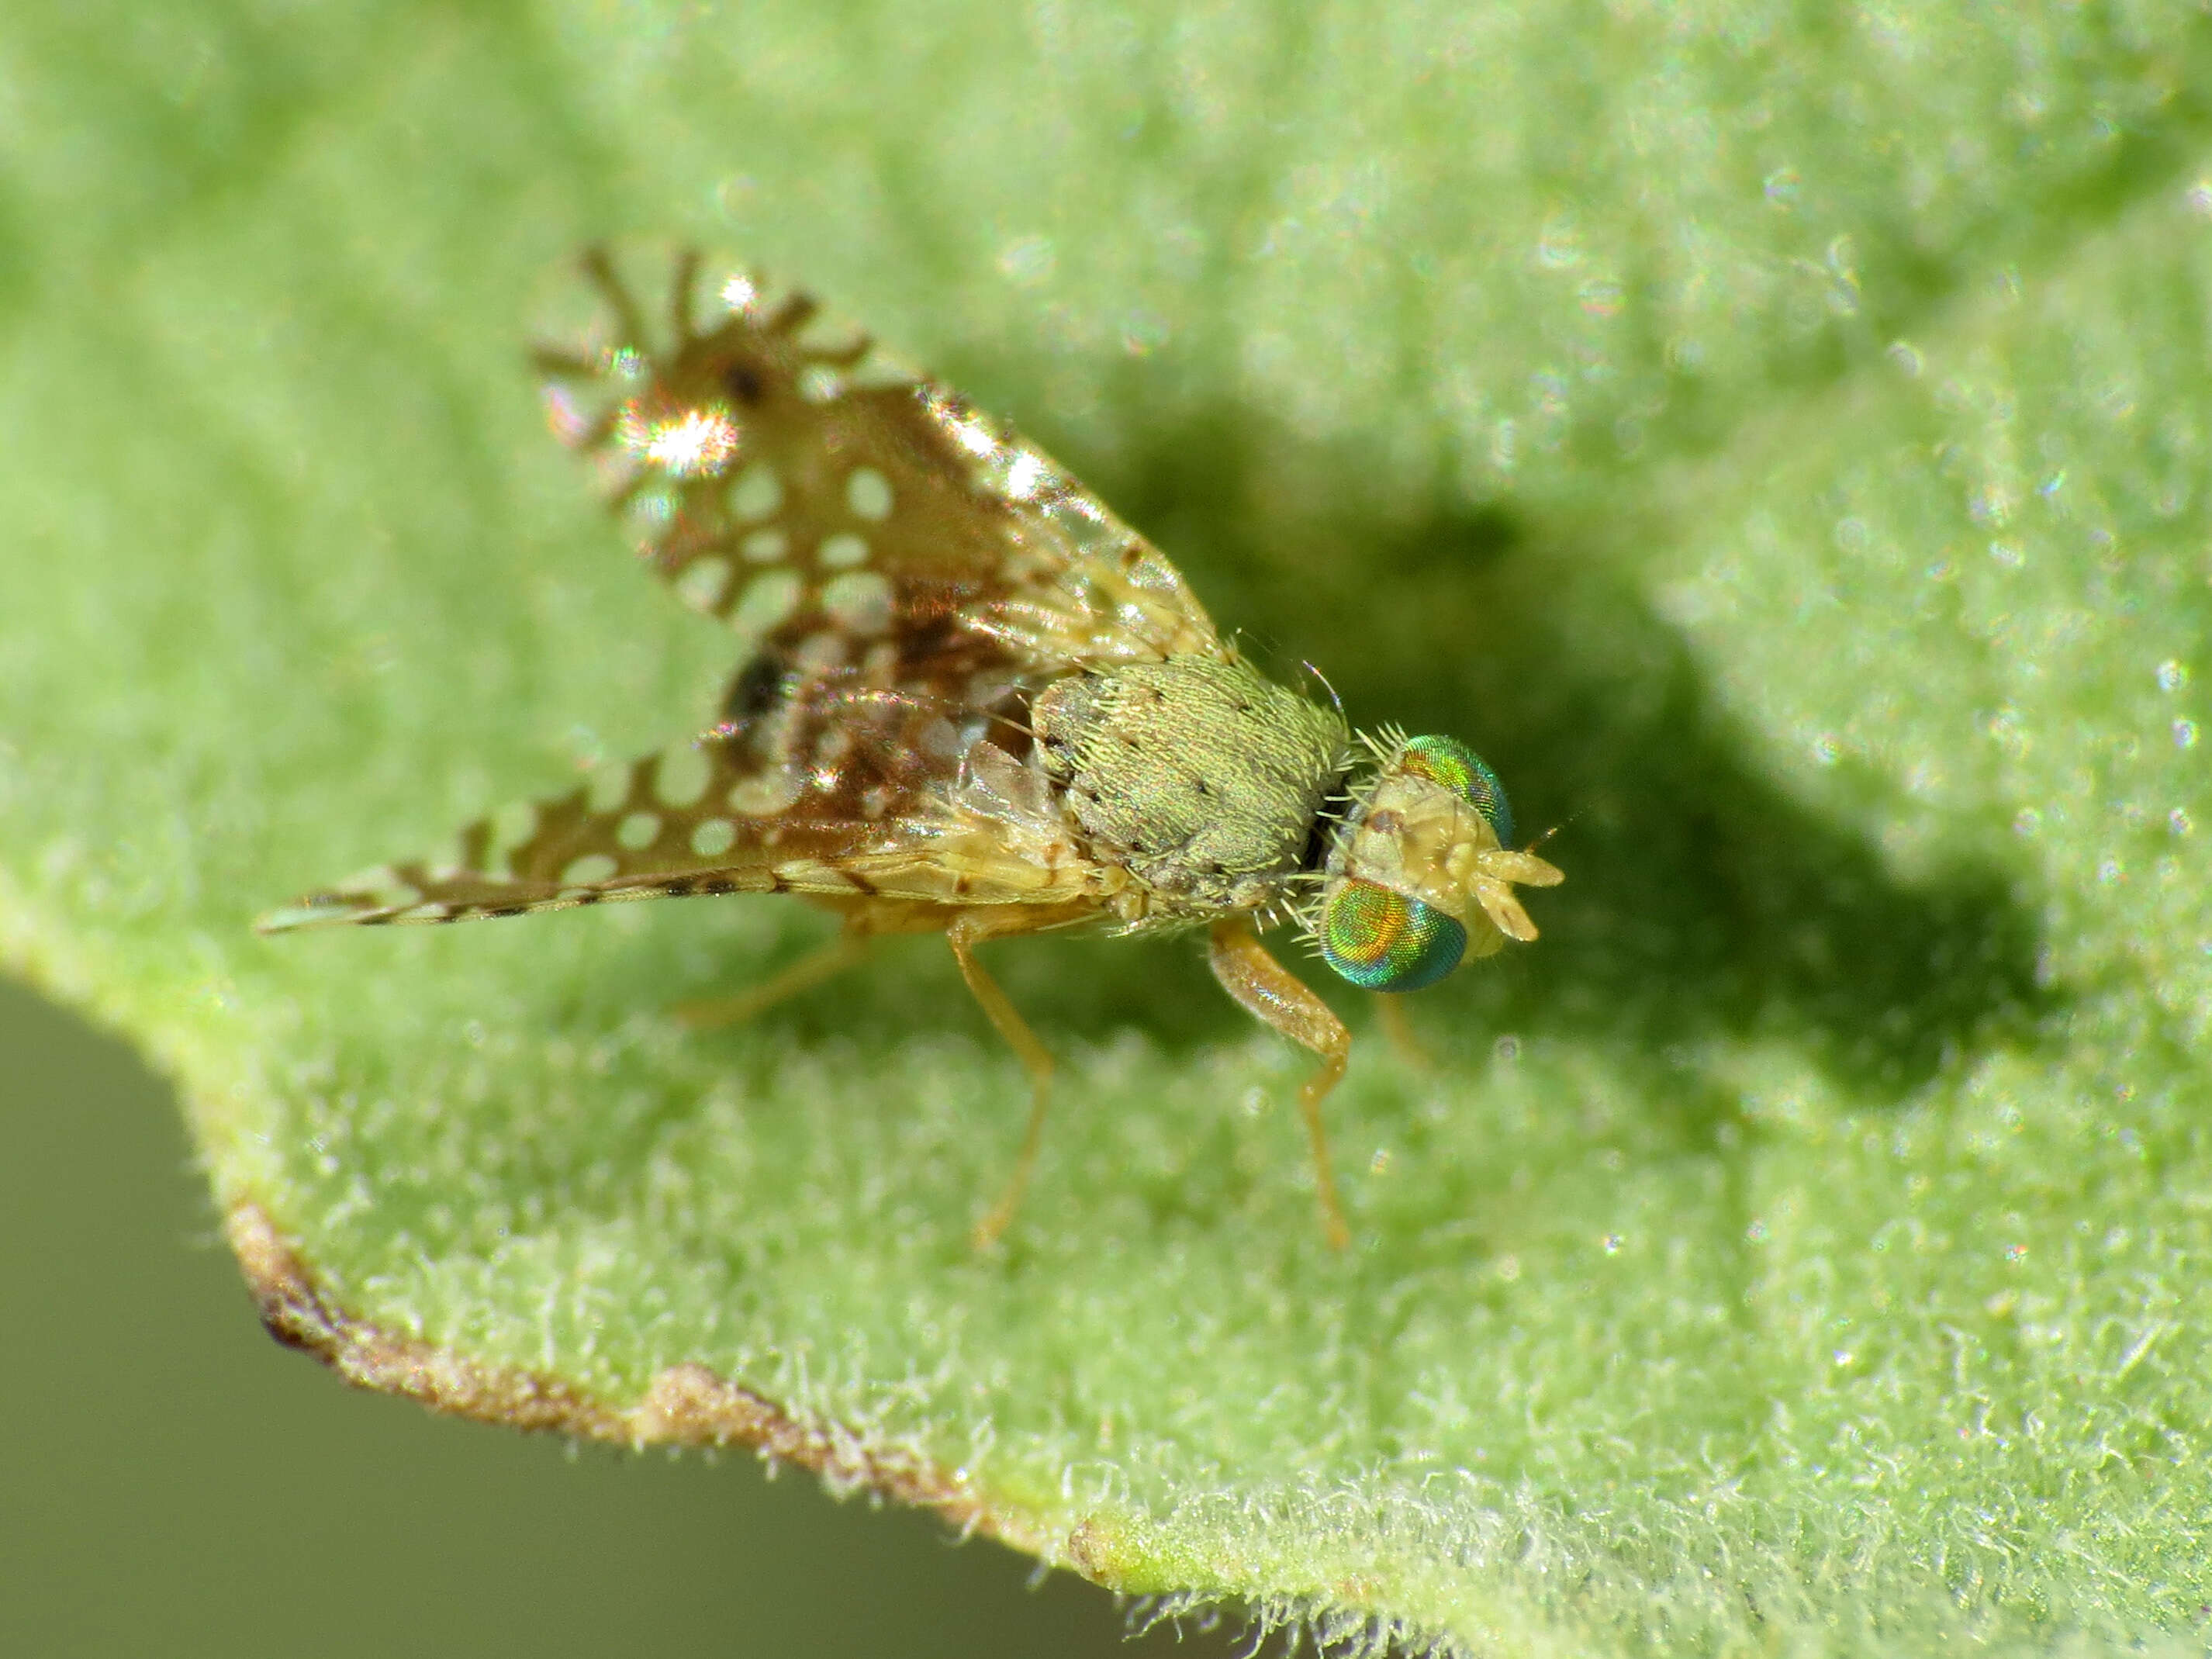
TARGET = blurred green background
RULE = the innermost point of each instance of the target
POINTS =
(172, 1482)
(1776, 433)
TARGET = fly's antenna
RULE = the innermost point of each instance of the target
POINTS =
(1532, 845)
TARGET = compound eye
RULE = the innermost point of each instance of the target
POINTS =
(1384, 941)
(1451, 763)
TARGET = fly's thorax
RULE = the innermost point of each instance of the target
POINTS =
(1421, 873)
(1197, 774)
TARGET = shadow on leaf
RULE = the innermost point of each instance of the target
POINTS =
(1702, 901)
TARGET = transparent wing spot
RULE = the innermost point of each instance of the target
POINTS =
(843, 551)
(769, 793)
(513, 825)
(712, 837)
(868, 494)
(770, 599)
(705, 582)
(610, 787)
(680, 774)
(820, 655)
(830, 340)
(757, 492)
(490, 844)
(860, 601)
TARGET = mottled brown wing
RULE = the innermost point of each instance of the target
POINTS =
(787, 477)
(701, 817)
(901, 572)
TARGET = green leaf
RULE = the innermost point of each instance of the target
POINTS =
(1775, 436)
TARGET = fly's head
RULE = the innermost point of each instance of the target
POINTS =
(1421, 872)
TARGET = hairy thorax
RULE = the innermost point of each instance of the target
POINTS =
(1197, 774)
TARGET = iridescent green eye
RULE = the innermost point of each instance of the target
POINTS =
(1460, 770)
(1383, 941)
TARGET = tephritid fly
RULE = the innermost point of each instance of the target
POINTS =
(969, 701)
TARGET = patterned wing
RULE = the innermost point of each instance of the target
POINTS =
(903, 574)
(785, 476)
(703, 818)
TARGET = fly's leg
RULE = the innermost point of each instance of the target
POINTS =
(967, 931)
(849, 950)
(1398, 1032)
(1264, 988)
